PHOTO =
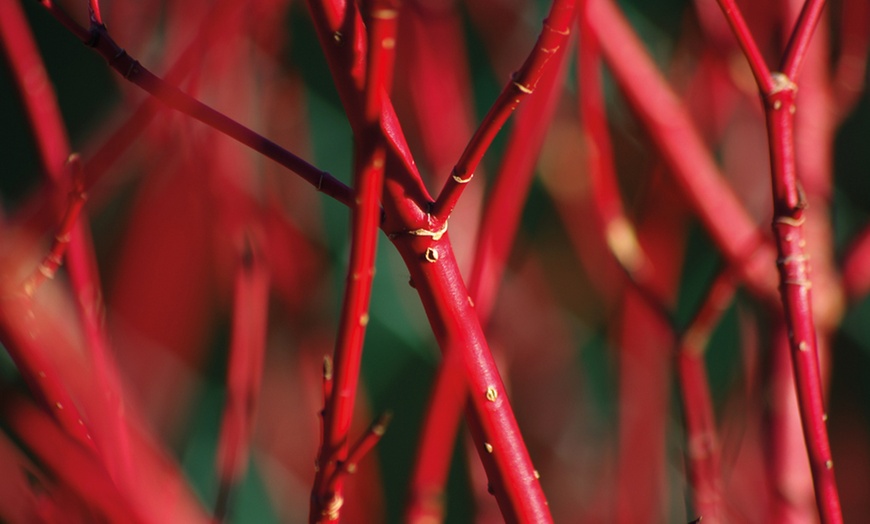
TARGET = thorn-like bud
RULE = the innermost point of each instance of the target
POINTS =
(327, 367)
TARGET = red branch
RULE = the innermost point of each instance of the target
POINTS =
(98, 38)
(557, 27)
(333, 460)
(244, 371)
(504, 207)
(703, 453)
(53, 260)
(778, 93)
(53, 145)
(513, 480)
(683, 149)
(429, 256)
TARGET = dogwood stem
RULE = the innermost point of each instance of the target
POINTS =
(244, 371)
(98, 38)
(327, 497)
(778, 92)
(554, 35)
(683, 150)
(512, 478)
(703, 453)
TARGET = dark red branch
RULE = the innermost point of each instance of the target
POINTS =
(99, 39)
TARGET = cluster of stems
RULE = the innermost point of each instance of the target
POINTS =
(635, 258)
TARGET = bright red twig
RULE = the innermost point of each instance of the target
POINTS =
(554, 35)
(428, 254)
(504, 207)
(326, 499)
(23, 335)
(756, 61)
(512, 477)
(511, 186)
(363, 446)
(800, 37)
(342, 37)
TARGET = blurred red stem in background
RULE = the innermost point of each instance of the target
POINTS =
(244, 371)
(52, 143)
(683, 150)
(703, 452)
(98, 38)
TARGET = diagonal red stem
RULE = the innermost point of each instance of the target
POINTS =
(554, 35)
(99, 39)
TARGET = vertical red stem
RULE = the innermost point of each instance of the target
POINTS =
(365, 221)
(702, 440)
(778, 93)
(244, 371)
(795, 285)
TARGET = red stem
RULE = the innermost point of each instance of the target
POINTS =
(778, 94)
(98, 38)
(795, 287)
(702, 441)
(557, 27)
(756, 61)
(327, 496)
(53, 260)
(422, 244)
(53, 145)
(501, 218)
(342, 37)
(683, 149)
(504, 208)
(22, 333)
(435, 275)
(796, 49)
(244, 371)
(362, 447)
